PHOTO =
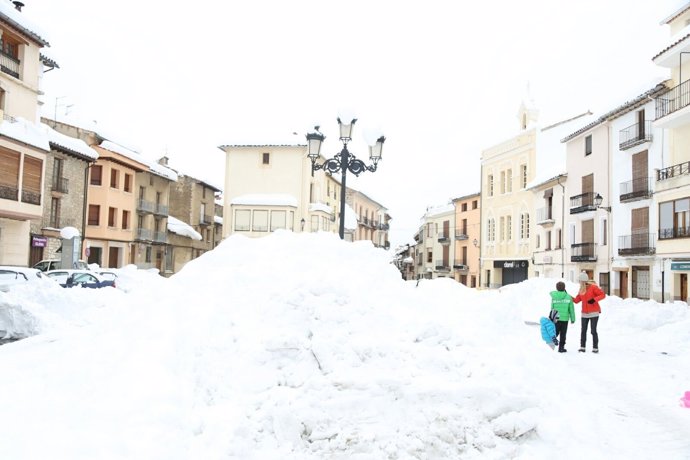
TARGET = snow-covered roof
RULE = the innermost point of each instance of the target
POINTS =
(24, 131)
(69, 144)
(154, 167)
(439, 210)
(180, 228)
(288, 140)
(320, 207)
(685, 5)
(265, 199)
(18, 20)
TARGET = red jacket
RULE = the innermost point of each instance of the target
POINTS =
(592, 292)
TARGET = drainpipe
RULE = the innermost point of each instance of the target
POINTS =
(85, 207)
(558, 180)
(481, 222)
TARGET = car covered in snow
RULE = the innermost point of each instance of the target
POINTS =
(54, 264)
(79, 278)
(11, 276)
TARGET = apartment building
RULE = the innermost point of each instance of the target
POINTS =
(549, 257)
(466, 237)
(373, 220)
(672, 179)
(24, 146)
(434, 248)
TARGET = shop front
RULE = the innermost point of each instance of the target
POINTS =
(510, 271)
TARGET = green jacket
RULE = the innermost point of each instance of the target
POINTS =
(563, 303)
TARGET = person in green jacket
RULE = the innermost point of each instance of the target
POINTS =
(563, 304)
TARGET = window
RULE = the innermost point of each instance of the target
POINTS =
(266, 158)
(559, 240)
(604, 232)
(9, 46)
(148, 254)
(57, 172)
(203, 192)
(547, 240)
(429, 256)
(31, 180)
(94, 214)
(474, 204)
(523, 176)
(9, 174)
(325, 224)
(502, 228)
(260, 222)
(128, 182)
(125, 220)
(242, 220)
(588, 145)
(314, 223)
(114, 178)
(112, 217)
(674, 219)
(169, 259)
(491, 185)
(538, 242)
(463, 207)
(524, 226)
(55, 212)
(509, 181)
(140, 221)
(277, 220)
(503, 182)
(509, 228)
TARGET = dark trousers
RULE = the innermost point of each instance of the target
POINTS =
(561, 332)
(583, 334)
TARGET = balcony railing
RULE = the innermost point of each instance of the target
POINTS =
(159, 237)
(675, 232)
(545, 215)
(635, 135)
(161, 209)
(146, 206)
(205, 219)
(680, 169)
(8, 192)
(461, 234)
(31, 197)
(582, 252)
(443, 237)
(383, 227)
(636, 189)
(460, 265)
(144, 234)
(637, 244)
(442, 265)
(675, 99)
(9, 64)
(582, 203)
(60, 184)
(57, 221)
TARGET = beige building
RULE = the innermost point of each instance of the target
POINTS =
(373, 220)
(434, 249)
(271, 187)
(672, 179)
(23, 144)
(466, 237)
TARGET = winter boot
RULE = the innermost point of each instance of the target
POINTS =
(581, 350)
(595, 350)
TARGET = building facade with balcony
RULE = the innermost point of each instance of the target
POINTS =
(466, 238)
(435, 247)
(672, 179)
(373, 220)
(24, 145)
(549, 258)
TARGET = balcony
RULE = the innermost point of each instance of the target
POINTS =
(161, 209)
(159, 237)
(57, 221)
(461, 234)
(143, 234)
(31, 197)
(144, 206)
(636, 189)
(583, 252)
(675, 232)
(460, 265)
(442, 266)
(582, 203)
(682, 169)
(383, 227)
(60, 185)
(637, 134)
(205, 219)
(672, 103)
(8, 192)
(545, 216)
(637, 244)
(9, 64)
(444, 237)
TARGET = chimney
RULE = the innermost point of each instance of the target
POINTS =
(18, 5)
(163, 161)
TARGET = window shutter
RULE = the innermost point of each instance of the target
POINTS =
(33, 168)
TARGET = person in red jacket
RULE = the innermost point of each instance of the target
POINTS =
(590, 294)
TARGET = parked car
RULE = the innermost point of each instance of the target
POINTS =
(79, 278)
(11, 276)
(107, 274)
(55, 264)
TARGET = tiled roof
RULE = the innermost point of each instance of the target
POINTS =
(620, 110)
(15, 24)
(677, 13)
(671, 46)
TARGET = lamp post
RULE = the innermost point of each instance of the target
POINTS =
(343, 161)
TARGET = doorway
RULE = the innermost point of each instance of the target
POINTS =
(684, 287)
(640, 282)
(113, 257)
(623, 285)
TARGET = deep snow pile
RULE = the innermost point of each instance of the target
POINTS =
(303, 346)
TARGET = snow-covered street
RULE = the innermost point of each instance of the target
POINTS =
(301, 346)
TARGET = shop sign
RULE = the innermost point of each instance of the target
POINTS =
(682, 266)
(510, 263)
(39, 241)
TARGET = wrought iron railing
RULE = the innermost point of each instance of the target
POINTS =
(60, 184)
(144, 234)
(637, 243)
(635, 135)
(674, 232)
(675, 99)
(57, 221)
(8, 192)
(442, 265)
(9, 64)
(680, 169)
(582, 252)
(636, 189)
(545, 214)
(146, 206)
(582, 203)
(443, 237)
(460, 264)
(31, 197)
(461, 234)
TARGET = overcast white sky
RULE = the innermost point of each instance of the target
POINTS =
(443, 80)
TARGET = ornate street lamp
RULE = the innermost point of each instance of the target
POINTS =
(343, 161)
